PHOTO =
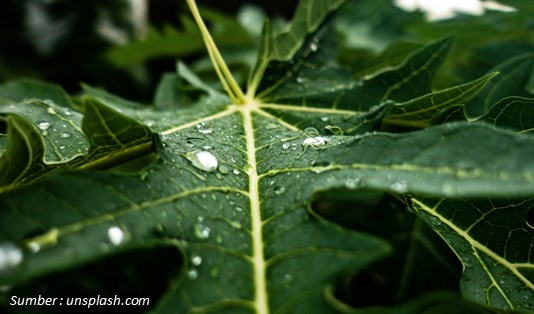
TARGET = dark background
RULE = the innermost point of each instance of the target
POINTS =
(78, 55)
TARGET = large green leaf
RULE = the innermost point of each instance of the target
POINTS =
(493, 239)
(44, 136)
(234, 181)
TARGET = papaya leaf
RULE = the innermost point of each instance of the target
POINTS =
(232, 187)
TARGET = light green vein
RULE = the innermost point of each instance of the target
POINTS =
(477, 246)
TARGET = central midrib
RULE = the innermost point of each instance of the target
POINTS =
(258, 259)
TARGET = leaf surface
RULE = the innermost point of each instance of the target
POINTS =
(235, 178)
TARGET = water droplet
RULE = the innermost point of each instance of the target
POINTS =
(299, 79)
(10, 255)
(239, 209)
(68, 112)
(288, 278)
(285, 145)
(317, 141)
(248, 169)
(202, 232)
(115, 235)
(65, 135)
(203, 160)
(313, 46)
(434, 221)
(196, 260)
(235, 171)
(192, 274)
(62, 147)
(43, 125)
(279, 189)
(50, 110)
(353, 183)
(235, 224)
(400, 186)
(324, 119)
(201, 127)
(223, 169)
(34, 247)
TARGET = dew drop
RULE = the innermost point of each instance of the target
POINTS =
(202, 232)
(248, 169)
(317, 141)
(299, 79)
(192, 274)
(203, 160)
(313, 46)
(279, 189)
(223, 169)
(43, 125)
(325, 119)
(434, 221)
(115, 235)
(239, 209)
(235, 171)
(201, 128)
(68, 112)
(353, 183)
(235, 224)
(400, 186)
(285, 146)
(50, 110)
(10, 256)
(196, 260)
(65, 135)
(288, 278)
(34, 247)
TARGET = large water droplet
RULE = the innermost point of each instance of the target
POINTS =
(279, 189)
(315, 142)
(115, 235)
(196, 260)
(202, 232)
(201, 127)
(203, 160)
(43, 125)
(10, 256)
(192, 274)
(399, 186)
